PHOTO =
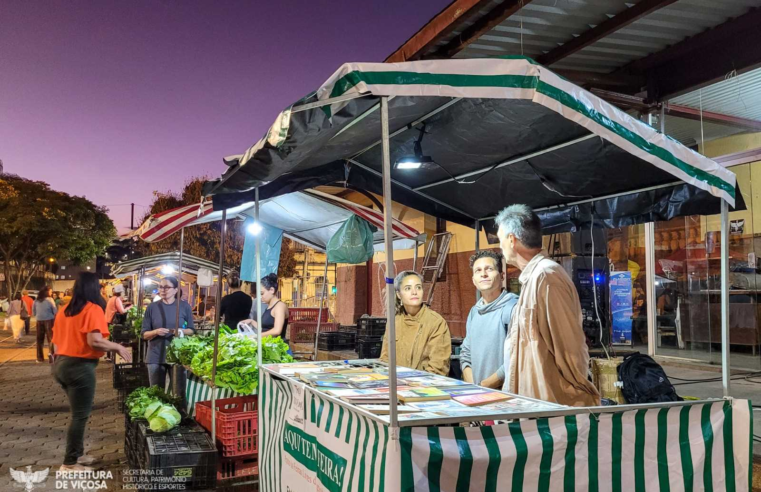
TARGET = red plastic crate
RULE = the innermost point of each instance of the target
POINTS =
(306, 314)
(237, 423)
(239, 467)
(304, 331)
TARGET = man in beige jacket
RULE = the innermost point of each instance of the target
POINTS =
(546, 347)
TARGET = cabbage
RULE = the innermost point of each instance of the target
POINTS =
(159, 424)
(169, 414)
(152, 410)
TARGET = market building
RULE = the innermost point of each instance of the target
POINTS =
(643, 59)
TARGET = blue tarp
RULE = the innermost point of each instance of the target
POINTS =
(271, 239)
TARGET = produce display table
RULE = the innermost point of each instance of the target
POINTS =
(313, 441)
(198, 389)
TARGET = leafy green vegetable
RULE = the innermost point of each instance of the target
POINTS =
(138, 400)
(158, 424)
(152, 410)
(182, 350)
(237, 359)
(135, 320)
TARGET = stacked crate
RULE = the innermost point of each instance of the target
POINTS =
(237, 431)
(370, 333)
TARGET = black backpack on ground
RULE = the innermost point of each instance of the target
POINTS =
(645, 381)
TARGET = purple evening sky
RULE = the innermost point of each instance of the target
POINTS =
(115, 99)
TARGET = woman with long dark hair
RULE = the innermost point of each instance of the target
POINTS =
(80, 339)
(275, 316)
(159, 326)
(45, 310)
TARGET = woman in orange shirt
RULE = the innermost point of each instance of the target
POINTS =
(81, 338)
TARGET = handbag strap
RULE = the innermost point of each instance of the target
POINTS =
(163, 313)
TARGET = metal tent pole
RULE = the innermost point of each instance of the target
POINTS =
(478, 247)
(652, 319)
(725, 372)
(390, 296)
(218, 302)
(414, 256)
(179, 294)
(140, 291)
(322, 301)
(258, 283)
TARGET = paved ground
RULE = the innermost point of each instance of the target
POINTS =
(34, 414)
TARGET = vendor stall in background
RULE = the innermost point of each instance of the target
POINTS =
(536, 139)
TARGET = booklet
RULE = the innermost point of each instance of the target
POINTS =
(422, 394)
(473, 400)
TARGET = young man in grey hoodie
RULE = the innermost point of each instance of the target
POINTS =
(482, 353)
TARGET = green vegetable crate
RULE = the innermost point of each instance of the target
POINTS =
(189, 459)
(237, 423)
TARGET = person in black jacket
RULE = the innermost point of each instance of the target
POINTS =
(236, 306)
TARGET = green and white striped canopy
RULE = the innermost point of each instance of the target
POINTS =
(531, 135)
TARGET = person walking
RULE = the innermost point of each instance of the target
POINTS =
(27, 315)
(80, 339)
(159, 324)
(45, 310)
(14, 317)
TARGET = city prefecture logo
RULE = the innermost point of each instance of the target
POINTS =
(28, 478)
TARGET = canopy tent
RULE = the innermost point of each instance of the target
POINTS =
(308, 217)
(499, 131)
(190, 264)
(537, 138)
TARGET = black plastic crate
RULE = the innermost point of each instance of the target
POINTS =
(369, 347)
(348, 329)
(371, 327)
(122, 334)
(132, 375)
(143, 430)
(188, 458)
(336, 340)
(131, 446)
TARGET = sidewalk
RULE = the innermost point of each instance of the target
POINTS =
(34, 415)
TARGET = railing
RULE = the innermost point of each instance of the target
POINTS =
(313, 302)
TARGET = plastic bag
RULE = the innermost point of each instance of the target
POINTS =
(352, 243)
(247, 331)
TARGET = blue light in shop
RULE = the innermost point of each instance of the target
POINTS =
(599, 278)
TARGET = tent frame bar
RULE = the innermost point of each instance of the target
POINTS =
(389, 280)
(409, 126)
(328, 102)
(409, 188)
(218, 302)
(509, 162)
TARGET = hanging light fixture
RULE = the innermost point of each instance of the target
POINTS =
(416, 160)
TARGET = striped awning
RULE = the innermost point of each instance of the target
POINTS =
(310, 217)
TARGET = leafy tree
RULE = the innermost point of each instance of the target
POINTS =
(38, 223)
(203, 240)
(200, 240)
